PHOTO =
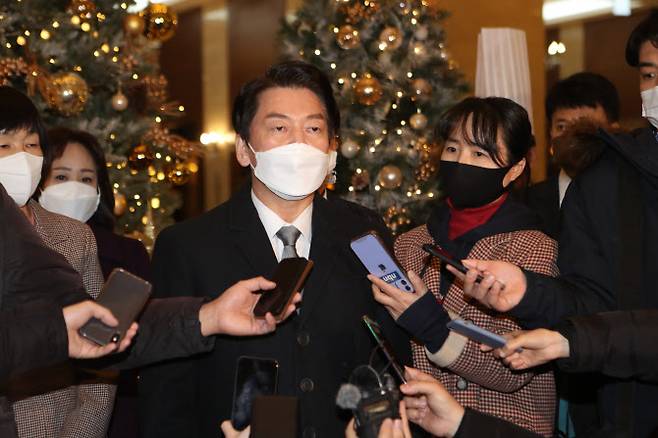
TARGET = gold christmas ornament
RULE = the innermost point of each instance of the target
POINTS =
(390, 177)
(360, 180)
(421, 88)
(65, 92)
(120, 204)
(160, 22)
(418, 121)
(356, 11)
(133, 25)
(390, 38)
(180, 174)
(347, 37)
(85, 9)
(368, 90)
(119, 101)
(349, 148)
(140, 157)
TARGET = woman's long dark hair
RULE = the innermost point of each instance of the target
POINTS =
(58, 139)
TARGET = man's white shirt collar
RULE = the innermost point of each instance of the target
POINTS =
(273, 223)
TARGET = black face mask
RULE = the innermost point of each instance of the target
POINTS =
(471, 186)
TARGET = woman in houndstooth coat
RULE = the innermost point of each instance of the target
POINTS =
(54, 401)
(485, 142)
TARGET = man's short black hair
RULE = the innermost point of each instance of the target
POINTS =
(584, 89)
(289, 74)
(18, 112)
(647, 30)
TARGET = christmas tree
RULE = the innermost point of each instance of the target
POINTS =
(91, 65)
(393, 78)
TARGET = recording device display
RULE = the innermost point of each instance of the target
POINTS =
(478, 334)
(289, 277)
(370, 400)
(254, 377)
(376, 332)
(372, 252)
(445, 257)
(125, 295)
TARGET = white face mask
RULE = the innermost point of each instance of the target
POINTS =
(20, 175)
(73, 199)
(650, 105)
(293, 171)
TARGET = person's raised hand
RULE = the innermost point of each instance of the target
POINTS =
(502, 288)
(396, 301)
(230, 432)
(390, 428)
(429, 404)
(232, 313)
(77, 315)
(527, 349)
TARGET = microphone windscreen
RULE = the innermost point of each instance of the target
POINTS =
(348, 396)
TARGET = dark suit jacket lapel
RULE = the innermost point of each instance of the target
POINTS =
(250, 241)
(322, 254)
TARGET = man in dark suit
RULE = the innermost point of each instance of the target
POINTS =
(588, 96)
(286, 124)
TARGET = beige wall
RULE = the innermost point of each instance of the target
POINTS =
(462, 28)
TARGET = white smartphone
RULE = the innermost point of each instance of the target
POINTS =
(475, 333)
(372, 252)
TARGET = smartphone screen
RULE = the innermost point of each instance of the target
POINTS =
(379, 262)
(376, 332)
(289, 276)
(254, 377)
(125, 295)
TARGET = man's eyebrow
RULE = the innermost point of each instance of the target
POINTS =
(647, 64)
(319, 116)
(276, 116)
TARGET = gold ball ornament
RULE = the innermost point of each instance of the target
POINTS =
(347, 37)
(349, 148)
(66, 92)
(119, 101)
(368, 90)
(120, 204)
(160, 22)
(180, 174)
(418, 121)
(390, 38)
(421, 88)
(85, 9)
(133, 25)
(140, 157)
(390, 177)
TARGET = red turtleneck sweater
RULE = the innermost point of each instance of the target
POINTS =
(463, 221)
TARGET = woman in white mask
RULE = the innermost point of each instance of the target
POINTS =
(51, 402)
(76, 184)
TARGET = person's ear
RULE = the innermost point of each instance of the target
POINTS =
(333, 143)
(243, 152)
(514, 172)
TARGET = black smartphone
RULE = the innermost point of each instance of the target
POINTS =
(125, 295)
(376, 332)
(289, 277)
(254, 377)
(372, 252)
(445, 257)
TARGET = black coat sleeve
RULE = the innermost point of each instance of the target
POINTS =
(35, 337)
(167, 391)
(476, 424)
(617, 344)
(586, 282)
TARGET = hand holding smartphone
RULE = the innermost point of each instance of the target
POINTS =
(125, 295)
(254, 377)
(372, 252)
(289, 276)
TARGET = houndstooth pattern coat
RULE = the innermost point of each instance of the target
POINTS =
(478, 380)
(73, 410)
